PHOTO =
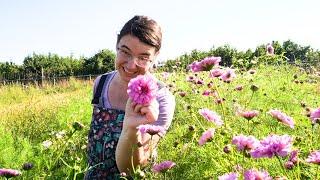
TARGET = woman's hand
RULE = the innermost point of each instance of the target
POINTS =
(137, 114)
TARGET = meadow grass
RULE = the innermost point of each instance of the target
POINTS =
(30, 116)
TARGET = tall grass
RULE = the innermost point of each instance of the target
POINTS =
(30, 116)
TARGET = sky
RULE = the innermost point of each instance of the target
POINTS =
(83, 27)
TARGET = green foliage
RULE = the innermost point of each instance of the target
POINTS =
(100, 63)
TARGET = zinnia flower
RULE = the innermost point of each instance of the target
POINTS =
(9, 173)
(314, 157)
(211, 116)
(142, 89)
(287, 120)
(228, 75)
(315, 116)
(273, 145)
(206, 136)
(163, 167)
(229, 176)
(151, 129)
(245, 142)
(253, 174)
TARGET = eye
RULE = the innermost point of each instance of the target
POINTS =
(144, 58)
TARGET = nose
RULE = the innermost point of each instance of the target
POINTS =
(131, 64)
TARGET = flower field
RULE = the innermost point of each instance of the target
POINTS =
(246, 124)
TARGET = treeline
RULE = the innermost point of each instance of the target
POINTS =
(288, 52)
(38, 66)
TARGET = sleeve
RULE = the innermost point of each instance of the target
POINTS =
(166, 108)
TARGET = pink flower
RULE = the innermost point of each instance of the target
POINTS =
(151, 129)
(216, 72)
(142, 89)
(287, 120)
(9, 173)
(205, 65)
(206, 136)
(195, 66)
(239, 88)
(229, 176)
(294, 156)
(270, 49)
(208, 62)
(314, 157)
(253, 174)
(228, 75)
(315, 116)
(163, 167)
(206, 92)
(248, 114)
(211, 116)
(245, 142)
(273, 145)
(165, 75)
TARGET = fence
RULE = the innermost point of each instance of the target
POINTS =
(49, 80)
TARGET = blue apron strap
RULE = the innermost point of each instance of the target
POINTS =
(98, 94)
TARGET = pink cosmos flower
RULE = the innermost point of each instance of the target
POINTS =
(206, 92)
(216, 72)
(165, 75)
(294, 156)
(228, 75)
(151, 129)
(229, 176)
(287, 120)
(273, 145)
(248, 114)
(142, 89)
(205, 65)
(206, 136)
(195, 66)
(190, 78)
(211, 116)
(253, 174)
(270, 49)
(314, 157)
(163, 167)
(9, 173)
(245, 142)
(315, 116)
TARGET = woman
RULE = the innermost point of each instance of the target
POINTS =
(114, 143)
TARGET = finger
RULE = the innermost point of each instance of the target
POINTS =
(137, 108)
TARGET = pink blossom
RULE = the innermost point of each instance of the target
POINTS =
(315, 116)
(142, 89)
(165, 75)
(206, 136)
(9, 173)
(228, 75)
(206, 92)
(282, 117)
(216, 72)
(195, 66)
(245, 142)
(211, 116)
(163, 167)
(151, 129)
(253, 174)
(273, 145)
(248, 114)
(205, 65)
(239, 88)
(229, 176)
(314, 157)
(294, 156)
(190, 78)
(270, 49)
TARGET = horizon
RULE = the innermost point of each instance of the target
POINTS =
(82, 28)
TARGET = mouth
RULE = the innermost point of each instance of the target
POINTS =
(128, 72)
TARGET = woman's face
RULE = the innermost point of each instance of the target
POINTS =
(133, 57)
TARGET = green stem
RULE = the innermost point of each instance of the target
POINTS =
(249, 100)
(282, 167)
(221, 104)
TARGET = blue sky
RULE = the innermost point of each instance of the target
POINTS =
(83, 27)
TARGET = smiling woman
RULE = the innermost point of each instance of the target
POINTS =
(114, 143)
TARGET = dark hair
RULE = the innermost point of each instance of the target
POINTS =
(145, 29)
